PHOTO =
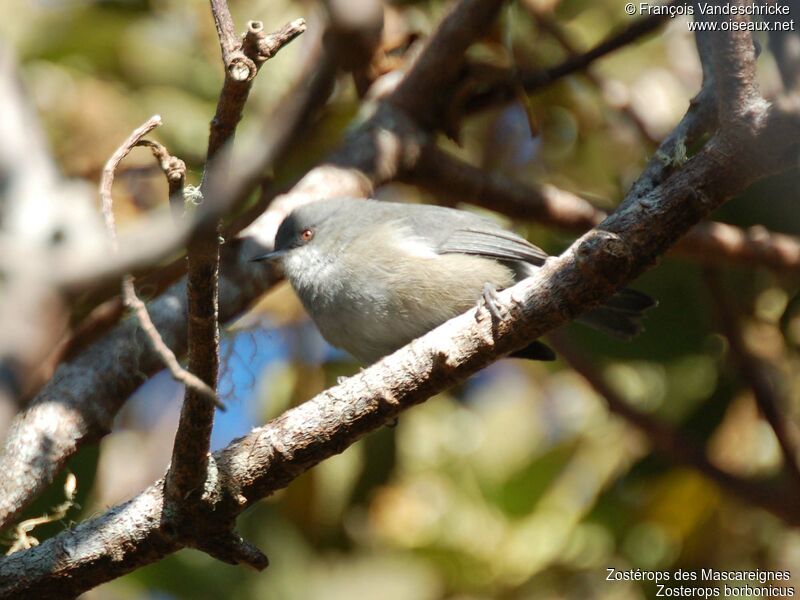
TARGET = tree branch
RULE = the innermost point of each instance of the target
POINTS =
(785, 46)
(626, 243)
(78, 404)
(242, 60)
(174, 170)
(282, 129)
(261, 46)
(547, 23)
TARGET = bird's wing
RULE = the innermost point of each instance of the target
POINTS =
(459, 232)
(492, 243)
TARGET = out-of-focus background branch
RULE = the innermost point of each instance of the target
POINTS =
(517, 484)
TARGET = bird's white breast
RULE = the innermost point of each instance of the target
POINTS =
(370, 299)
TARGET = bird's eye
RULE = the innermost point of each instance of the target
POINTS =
(307, 235)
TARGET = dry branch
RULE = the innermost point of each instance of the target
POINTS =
(549, 24)
(174, 170)
(785, 46)
(437, 69)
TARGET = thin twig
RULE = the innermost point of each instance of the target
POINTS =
(282, 129)
(191, 381)
(226, 30)
(128, 290)
(110, 168)
(242, 61)
(261, 46)
(754, 372)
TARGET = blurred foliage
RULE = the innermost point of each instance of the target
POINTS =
(517, 485)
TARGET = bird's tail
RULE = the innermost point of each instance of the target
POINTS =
(621, 315)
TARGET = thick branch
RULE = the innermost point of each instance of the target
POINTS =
(354, 36)
(77, 406)
(700, 120)
(79, 403)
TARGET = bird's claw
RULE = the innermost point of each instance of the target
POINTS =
(492, 302)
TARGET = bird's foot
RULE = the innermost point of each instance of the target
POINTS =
(492, 302)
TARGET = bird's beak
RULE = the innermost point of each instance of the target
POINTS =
(274, 255)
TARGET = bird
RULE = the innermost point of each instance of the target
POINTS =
(375, 275)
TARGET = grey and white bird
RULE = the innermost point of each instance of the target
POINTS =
(375, 275)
